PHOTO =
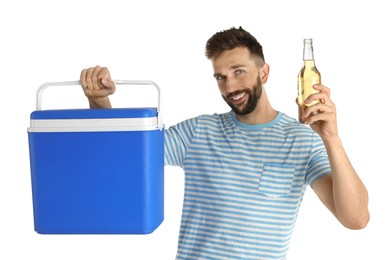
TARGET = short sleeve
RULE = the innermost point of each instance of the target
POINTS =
(318, 164)
(177, 140)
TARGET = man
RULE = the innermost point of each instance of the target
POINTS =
(246, 170)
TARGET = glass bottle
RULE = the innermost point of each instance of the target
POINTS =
(307, 77)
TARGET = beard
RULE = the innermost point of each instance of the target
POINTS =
(253, 98)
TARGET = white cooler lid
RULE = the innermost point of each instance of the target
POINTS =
(95, 120)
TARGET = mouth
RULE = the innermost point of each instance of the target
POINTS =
(238, 98)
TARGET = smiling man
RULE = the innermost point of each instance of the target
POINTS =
(240, 80)
(246, 170)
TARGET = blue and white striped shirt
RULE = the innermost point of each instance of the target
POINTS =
(244, 184)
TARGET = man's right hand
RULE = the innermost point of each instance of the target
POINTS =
(97, 85)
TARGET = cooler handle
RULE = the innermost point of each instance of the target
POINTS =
(117, 82)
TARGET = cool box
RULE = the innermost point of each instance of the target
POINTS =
(97, 171)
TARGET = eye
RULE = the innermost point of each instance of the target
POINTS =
(239, 72)
(220, 77)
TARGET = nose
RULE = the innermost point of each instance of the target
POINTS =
(230, 84)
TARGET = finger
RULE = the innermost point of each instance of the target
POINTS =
(106, 82)
(84, 83)
(82, 78)
(88, 78)
(94, 77)
(320, 96)
(319, 112)
(319, 107)
(109, 86)
(322, 88)
(328, 117)
(104, 77)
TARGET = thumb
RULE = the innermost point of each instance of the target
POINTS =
(109, 85)
(107, 82)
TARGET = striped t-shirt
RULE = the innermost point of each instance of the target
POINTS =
(243, 184)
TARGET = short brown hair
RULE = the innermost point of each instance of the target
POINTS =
(232, 38)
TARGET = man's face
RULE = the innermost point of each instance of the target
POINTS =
(238, 80)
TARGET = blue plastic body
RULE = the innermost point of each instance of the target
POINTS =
(97, 182)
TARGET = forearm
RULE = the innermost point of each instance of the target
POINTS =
(350, 196)
(99, 102)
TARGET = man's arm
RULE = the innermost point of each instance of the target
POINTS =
(342, 191)
(97, 86)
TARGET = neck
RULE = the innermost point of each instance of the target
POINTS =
(264, 113)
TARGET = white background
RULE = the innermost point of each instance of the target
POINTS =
(164, 41)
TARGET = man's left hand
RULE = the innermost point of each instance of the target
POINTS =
(323, 122)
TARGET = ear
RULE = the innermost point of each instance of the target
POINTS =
(264, 72)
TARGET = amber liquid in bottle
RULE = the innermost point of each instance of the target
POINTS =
(307, 77)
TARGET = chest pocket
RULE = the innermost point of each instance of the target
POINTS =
(276, 179)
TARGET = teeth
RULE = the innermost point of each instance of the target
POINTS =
(238, 96)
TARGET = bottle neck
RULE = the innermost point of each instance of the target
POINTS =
(309, 64)
(308, 53)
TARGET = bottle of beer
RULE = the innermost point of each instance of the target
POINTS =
(307, 77)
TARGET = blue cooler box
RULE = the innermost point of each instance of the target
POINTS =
(97, 171)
